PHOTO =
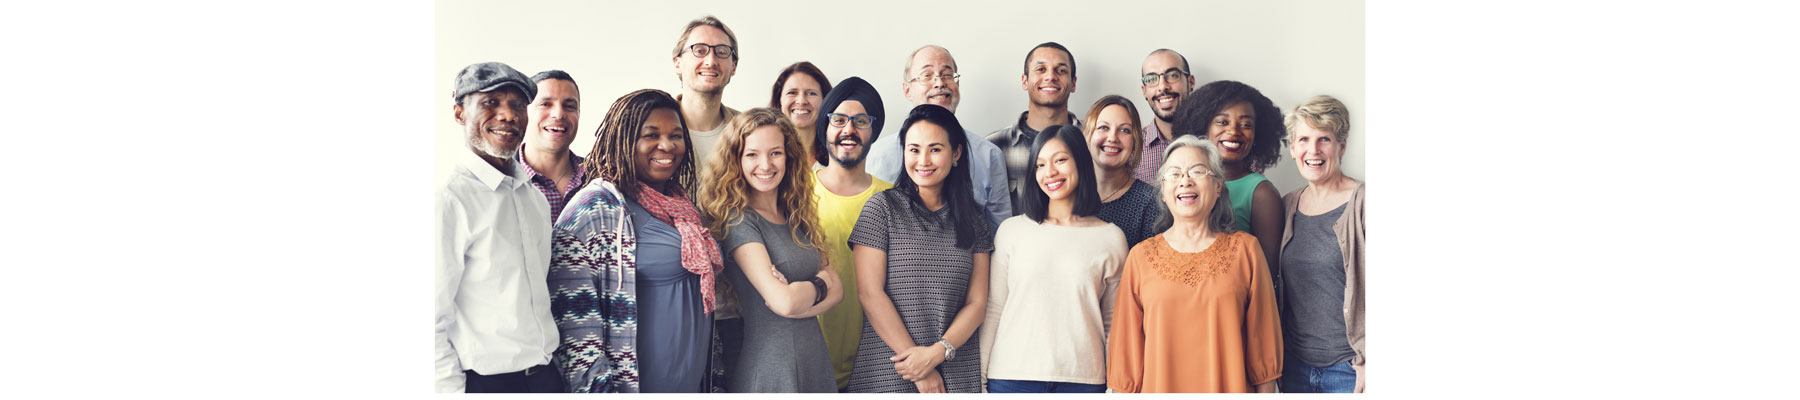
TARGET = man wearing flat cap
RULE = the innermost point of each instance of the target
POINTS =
(493, 327)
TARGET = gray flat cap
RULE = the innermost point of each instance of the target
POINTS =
(488, 76)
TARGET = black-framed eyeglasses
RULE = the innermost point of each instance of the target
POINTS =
(862, 121)
(722, 51)
(1196, 172)
(1154, 79)
(929, 77)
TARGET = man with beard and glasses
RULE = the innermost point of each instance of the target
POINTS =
(555, 115)
(931, 78)
(1166, 78)
(852, 119)
(1048, 80)
(493, 328)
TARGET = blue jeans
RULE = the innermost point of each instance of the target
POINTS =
(1012, 386)
(1298, 377)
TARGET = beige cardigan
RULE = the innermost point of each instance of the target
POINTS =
(1349, 230)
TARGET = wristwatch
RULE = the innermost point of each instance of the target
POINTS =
(949, 351)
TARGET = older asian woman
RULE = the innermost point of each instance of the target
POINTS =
(1245, 127)
(799, 91)
(1196, 309)
(632, 270)
(1321, 277)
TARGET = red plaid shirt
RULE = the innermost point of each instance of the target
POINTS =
(558, 198)
(1154, 144)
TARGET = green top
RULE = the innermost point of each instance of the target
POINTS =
(1241, 191)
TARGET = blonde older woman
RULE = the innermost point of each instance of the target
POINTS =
(1321, 277)
(1196, 309)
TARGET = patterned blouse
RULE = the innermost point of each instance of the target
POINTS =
(593, 292)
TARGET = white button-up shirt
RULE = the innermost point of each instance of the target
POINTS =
(493, 258)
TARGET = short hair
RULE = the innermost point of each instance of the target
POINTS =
(1221, 219)
(1137, 127)
(802, 67)
(907, 74)
(1195, 115)
(967, 218)
(1053, 45)
(1087, 192)
(555, 74)
(1322, 112)
(712, 22)
(615, 143)
(1184, 64)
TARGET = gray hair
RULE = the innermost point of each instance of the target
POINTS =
(1221, 219)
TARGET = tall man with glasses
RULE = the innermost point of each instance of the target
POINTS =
(1048, 80)
(705, 59)
(1167, 80)
(931, 78)
(493, 327)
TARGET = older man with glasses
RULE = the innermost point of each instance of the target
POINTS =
(931, 78)
(1167, 79)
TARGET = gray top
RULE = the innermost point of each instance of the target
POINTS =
(780, 354)
(1134, 212)
(674, 331)
(928, 281)
(1313, 268)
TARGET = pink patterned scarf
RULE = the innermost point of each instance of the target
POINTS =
(699, 253)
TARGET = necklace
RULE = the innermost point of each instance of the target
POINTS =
(1115, 193)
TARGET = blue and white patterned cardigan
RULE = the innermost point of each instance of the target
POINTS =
(593, 292)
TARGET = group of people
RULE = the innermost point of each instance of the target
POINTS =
(796, 248)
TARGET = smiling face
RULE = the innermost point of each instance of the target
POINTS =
(764, 159)
(661, 146)
(1113, 140)
(1189, 187)
(929, 155)
(494, 121)
(555, 115)
(1056, 171)
(800, 99)
(1317, 153)
(1233, 130)
(707, 74)
(848, 143)
(1165, 96)
(943, 91)
(1049, 79)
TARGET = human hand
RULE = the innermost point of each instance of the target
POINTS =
(1360, 378)
(778, 276)
(931, 383)
(914, 363)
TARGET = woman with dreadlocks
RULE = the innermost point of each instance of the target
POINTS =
(632, 270)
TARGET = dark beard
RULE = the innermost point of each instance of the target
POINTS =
(854, 161)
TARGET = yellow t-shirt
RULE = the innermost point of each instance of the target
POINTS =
(843, 323)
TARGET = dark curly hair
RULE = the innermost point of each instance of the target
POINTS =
(1196, 113)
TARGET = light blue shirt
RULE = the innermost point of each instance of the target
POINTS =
(988, 174)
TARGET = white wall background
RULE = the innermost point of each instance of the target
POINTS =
(1290, 50)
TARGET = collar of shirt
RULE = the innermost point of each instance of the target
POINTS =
(1023, 135)
(490, 177)
(574, 164)
(1152, 134)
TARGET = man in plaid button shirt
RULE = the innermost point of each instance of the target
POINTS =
(554, 115)
(1048, 80)
(1166, 80)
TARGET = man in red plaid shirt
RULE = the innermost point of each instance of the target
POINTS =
(554, 115)
(1166, 80)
